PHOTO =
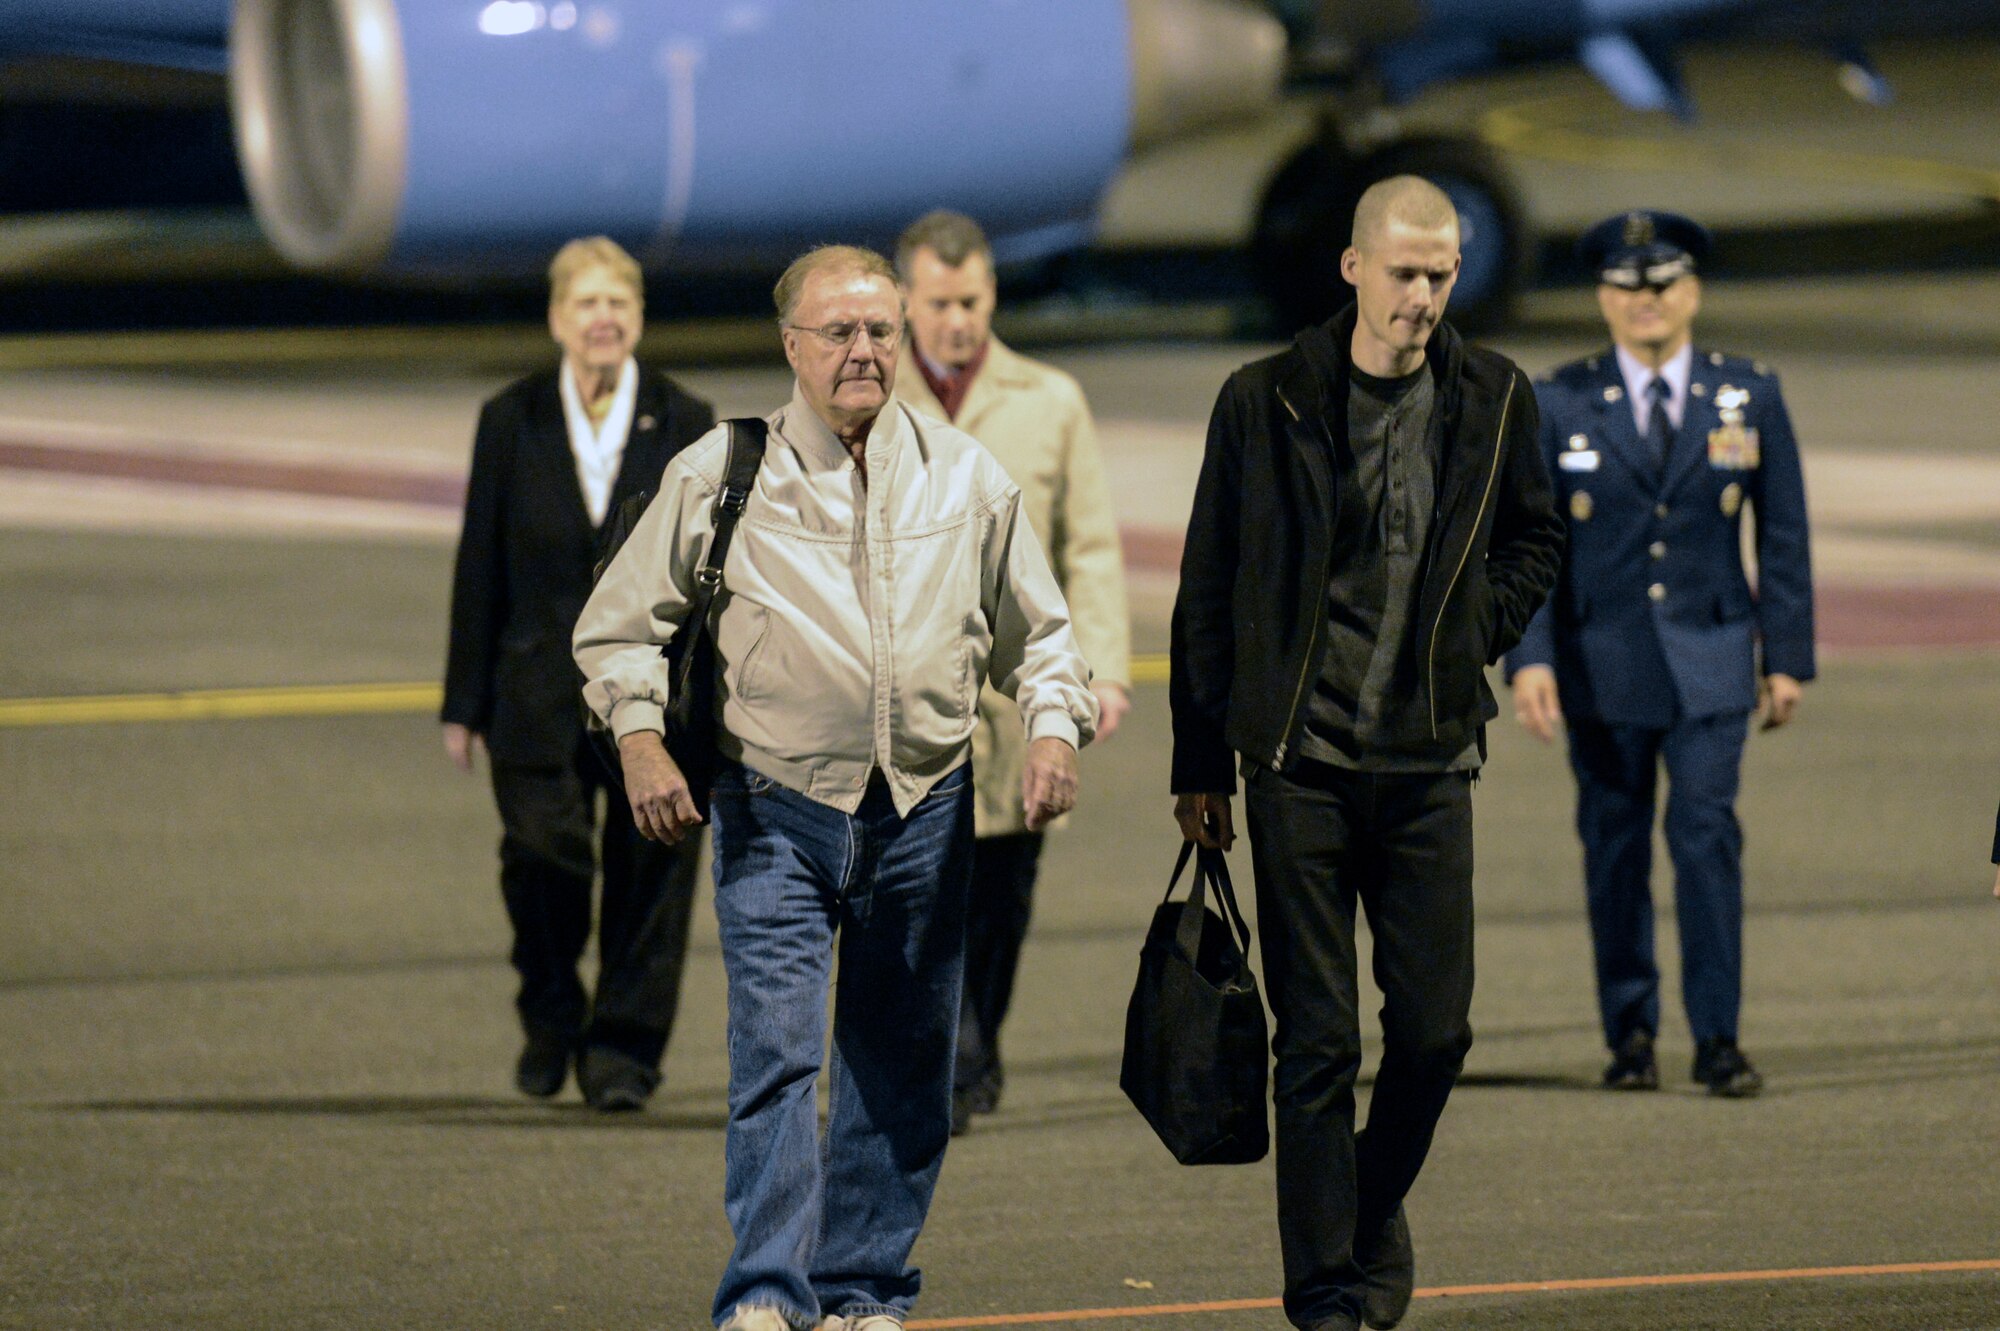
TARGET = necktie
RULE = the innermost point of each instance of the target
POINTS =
(1659, 428)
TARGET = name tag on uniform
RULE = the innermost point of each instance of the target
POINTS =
(1733, 448)
(1585, 459)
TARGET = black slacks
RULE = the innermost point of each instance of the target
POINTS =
(996, 923)
(547, 865)
(1322, 839)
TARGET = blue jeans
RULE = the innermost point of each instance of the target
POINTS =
(826, 1228)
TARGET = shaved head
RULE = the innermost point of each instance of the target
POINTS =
(1410, 200)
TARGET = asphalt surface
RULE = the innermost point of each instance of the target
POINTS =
(255, 1034)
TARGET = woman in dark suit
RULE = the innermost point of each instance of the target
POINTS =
(556, 452)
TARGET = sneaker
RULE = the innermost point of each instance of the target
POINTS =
(1720, 1066)
(873, 1322)
(1633, 1067)
(1388, 1273)
(755, 1317)
(831, 1324)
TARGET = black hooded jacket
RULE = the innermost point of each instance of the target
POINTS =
(1249, 623)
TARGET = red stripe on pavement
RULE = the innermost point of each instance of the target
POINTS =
(1464, 1291)
(1848, 616)
(305, 478)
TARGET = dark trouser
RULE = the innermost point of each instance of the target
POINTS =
(1616, 773)
(1320, 839)
(546, 869)
(996, 922)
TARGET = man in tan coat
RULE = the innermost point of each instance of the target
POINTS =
(1032, 417)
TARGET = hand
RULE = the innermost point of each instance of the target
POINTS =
(461, 743)
(1535, 704)
(1778, 696)
(662, 805)
(1206, 820)
(1048, 781)
(1112, 704)
(1996, 884)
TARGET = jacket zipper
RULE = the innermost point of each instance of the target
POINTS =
(1493, 475)
(1312, 640)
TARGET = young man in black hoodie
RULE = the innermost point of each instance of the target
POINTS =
(1372, 527)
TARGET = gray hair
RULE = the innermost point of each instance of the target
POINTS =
(826, 259)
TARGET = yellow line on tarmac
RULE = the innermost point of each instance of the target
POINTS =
(299, 700)
(1544, 127)
(221, 704)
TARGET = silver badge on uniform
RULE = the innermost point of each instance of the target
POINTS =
(1586, 459)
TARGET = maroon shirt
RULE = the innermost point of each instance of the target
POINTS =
(951, 388)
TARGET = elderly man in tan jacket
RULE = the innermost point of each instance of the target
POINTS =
(1032, 417)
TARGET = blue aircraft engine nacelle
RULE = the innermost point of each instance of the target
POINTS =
(475, 135)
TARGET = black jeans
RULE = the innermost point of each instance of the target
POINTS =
(546, 868)
(1321, 839)
(996, 922)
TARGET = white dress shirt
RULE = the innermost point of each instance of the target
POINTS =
(1639, 377)
(599, 447)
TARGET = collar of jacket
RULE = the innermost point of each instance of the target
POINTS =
(1315, 382)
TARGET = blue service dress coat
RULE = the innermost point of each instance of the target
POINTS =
(1653, 618)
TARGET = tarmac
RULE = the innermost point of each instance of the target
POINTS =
(255, 1024)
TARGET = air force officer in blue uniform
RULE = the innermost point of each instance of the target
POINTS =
(1654, 646)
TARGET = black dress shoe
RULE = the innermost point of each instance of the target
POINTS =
(1720, 1066)
(1338, 1322)
(1388, 1265)
(613, 1082)
(1633, 1067)
(543, 1066)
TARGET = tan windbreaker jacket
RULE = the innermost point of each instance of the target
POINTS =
(856, 622)
(1034, 418)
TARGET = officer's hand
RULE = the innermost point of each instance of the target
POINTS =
(662, 805)
(1112, 704)
(1535, 704)
(1048, 781)
(460, 744)
(1779, 697)
(1996, 884)
(1206, 820)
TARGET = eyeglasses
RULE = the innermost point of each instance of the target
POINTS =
(881, 332)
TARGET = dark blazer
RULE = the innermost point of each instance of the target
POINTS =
(1248, 630)
(1653, 616)
(525, 556)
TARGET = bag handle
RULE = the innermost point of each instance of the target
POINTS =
(1210, 866)
(748, 436)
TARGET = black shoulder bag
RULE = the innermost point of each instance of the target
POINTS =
(1196, 1048)
(690, 655)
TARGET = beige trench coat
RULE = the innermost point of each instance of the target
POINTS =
(1033, 417)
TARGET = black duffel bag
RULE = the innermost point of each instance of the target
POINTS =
(1196, 1047)
(690, 712)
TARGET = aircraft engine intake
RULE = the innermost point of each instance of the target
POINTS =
(460, 135)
